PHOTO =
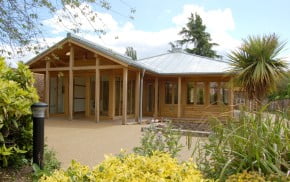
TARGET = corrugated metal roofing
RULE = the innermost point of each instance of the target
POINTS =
(184, 63)
(169, 63)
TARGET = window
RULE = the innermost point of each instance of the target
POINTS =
(168, 93)
(199, 93)
(171, 90)
(150, 97)
(224, 93)
(190, 93)
(213, 92)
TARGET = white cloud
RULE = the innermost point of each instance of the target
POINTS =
(219, 23)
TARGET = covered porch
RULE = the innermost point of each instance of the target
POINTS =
(82, 82)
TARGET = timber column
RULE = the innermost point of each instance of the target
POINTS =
(97, 91)
(179, 98)
(47, 83)
(137, 96)
(125, 86)
(71, 82)
(156, 98)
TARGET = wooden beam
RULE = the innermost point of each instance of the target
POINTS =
(100, 53)
(78, 68)
(88, 98)
(84, 67)
(71, 82)
(47, 83)
(179, 98)
(111, 66)
(137, 95)
(97, 92)
(156, 98)
(125, 87)
(112, 95)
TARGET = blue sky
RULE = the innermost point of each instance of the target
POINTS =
(157, 23)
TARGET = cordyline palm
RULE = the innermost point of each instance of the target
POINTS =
(257, 65)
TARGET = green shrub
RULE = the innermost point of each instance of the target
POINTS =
(166, 140)
(130, 167)
(246, 177)
(251, 143)
(50, 164)
(16, 96)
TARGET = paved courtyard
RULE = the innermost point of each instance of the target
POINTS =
(88, 142)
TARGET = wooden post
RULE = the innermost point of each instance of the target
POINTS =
(206, 94)
(179, 98)
(156, 98)
(125, 86)
(231, 99)
(88, 94)
(97, 91)
(112, 95)
(71, 82)
(137, 96)
(47, 80)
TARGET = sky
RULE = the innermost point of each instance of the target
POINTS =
(156, 23)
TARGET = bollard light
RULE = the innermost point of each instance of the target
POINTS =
(38, 115)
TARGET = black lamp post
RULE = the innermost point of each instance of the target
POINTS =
(38, 114)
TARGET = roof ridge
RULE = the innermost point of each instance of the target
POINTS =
(70, 35)
(183, 52)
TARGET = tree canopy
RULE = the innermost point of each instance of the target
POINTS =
(194, 34)
(21, 21)
(257, 65)
(131, 53)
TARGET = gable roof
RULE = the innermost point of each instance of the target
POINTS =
(174, 63)
(184, 63)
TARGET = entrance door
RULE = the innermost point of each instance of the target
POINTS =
(56, 97)
(104, 96)
(150, 97)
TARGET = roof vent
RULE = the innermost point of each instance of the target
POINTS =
(177, 49)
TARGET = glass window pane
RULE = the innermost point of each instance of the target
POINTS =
(190, 93)
(224, 93)
(200, 93)
(175, 87)
(213, 92)
(168, 93)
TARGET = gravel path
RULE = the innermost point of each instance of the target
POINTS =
(88, 142)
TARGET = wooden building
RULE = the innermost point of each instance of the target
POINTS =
(83, 79)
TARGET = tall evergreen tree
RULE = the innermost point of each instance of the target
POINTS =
(131, 53)
(194, 34)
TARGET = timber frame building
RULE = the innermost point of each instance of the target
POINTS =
(83, 79)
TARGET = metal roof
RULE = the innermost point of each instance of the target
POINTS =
(165, 64)
(184, 63)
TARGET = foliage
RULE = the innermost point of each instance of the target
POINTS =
(16, 96)
(246, 176)
(131, 53)
(257, 65)
(50, 164)
(251, 142)
(194, 33)
(166, 140)
(21, 22)
(283, 89)
(130, 167)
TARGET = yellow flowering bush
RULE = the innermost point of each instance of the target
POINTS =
(130, 167)
(246, 177)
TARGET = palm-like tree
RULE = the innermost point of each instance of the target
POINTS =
(257, 65)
